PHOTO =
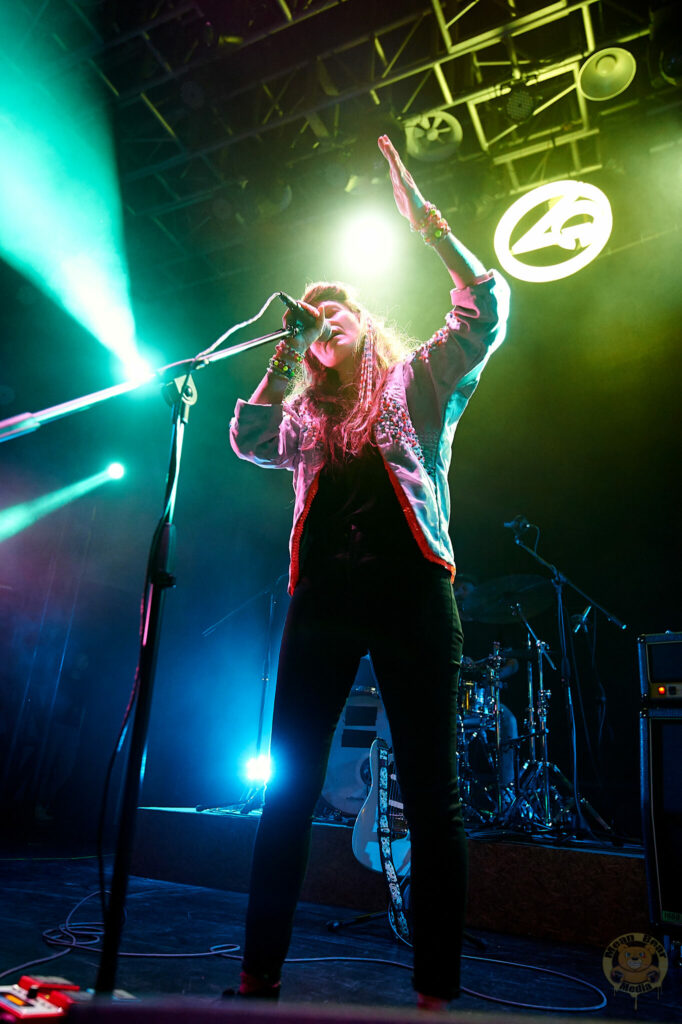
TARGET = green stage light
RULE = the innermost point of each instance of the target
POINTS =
(19, 517)
(60, 207)
(115, 470)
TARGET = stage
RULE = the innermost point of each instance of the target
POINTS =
(578, 892)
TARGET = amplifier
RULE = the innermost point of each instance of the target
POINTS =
(660, 666)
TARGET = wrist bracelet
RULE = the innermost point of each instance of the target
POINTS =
(278, 368)
(432, 226)
(286, 347)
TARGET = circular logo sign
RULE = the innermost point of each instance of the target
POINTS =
(635, 963)
(559, 227)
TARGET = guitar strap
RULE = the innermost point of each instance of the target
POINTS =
(397, 908)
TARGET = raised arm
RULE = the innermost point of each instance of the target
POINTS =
(464, 268)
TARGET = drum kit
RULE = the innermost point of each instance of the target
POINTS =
(498, 786)
(506, 781)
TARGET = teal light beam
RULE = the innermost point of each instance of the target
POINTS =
(17, 518)
(60, 207)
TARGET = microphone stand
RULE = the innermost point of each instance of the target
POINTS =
(559, 581)
(180, 393)
(254, 797)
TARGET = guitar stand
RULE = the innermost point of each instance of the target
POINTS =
(335, 926)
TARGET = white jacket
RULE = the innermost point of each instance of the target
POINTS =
(423, 400)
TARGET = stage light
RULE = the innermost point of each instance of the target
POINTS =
(115, 470)
(606, 73)
(259, 769)
(17, 518)
(60, 216)
(519, 104)
(369, 242)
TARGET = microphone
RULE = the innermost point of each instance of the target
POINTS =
(580, 621)
(517, 523)
(302, 317)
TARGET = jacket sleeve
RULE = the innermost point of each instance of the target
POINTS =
(452, 360)
(266, 435)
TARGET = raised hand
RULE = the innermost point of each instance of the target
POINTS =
(408, 198)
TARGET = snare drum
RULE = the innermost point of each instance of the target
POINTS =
(476, 693)
(477, 700)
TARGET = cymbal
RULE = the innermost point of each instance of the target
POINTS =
(496, 600)
(521, 653)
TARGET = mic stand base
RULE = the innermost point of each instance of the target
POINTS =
(254, 800)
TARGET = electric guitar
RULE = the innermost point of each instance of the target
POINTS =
(365, 841)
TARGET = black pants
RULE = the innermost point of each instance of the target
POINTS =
(404, 613)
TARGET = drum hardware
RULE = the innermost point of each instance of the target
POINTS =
(559, 581)
(482, 801)
(532, 801)
(477, 804)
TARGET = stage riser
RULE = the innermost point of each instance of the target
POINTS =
(564, 895)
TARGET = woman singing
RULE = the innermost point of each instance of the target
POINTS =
(367, 429)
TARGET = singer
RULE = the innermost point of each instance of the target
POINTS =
(366, 425)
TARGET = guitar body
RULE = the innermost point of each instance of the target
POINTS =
(348, 774)
(365, 840)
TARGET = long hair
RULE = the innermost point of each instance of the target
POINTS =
(344, 415)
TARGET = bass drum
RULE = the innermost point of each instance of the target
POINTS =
(348, 773)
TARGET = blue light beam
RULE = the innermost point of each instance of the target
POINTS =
(19, 517)
(60, 207)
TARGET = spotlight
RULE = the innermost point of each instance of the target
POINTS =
(115, 470)
(606, 73)
(136, 368)
(259, 769)
(519, 105)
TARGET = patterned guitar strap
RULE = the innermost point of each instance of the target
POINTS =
(397, 907)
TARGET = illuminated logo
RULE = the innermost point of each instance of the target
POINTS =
(635, 963)
(553, 220)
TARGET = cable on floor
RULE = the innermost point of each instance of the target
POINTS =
(87, 935)
(471, 992)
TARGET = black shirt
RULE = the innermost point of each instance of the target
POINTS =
(356, 510)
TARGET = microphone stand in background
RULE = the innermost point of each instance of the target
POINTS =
(254, 797)
(559, 580)
(180, 393)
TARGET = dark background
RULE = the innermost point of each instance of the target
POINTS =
(575, 425)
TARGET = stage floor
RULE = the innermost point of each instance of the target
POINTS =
(171, 927)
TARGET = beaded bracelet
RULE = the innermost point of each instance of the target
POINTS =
(432, 226)
(285, 347)
(279, 368)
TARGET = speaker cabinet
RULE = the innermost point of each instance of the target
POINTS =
(660, 665)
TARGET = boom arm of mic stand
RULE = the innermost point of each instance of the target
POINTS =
(559, 577)
(27, 422)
